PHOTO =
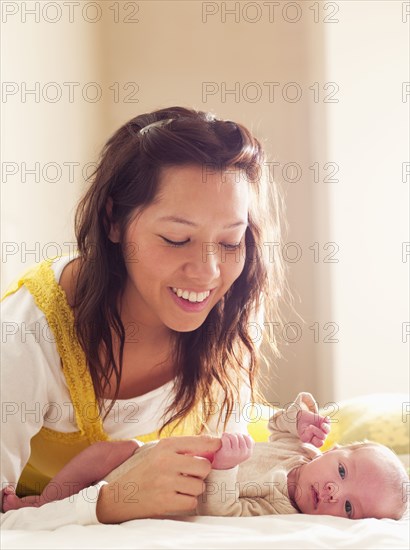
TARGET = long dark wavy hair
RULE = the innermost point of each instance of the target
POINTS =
(218, 356)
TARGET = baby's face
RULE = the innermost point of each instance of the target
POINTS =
(344, 483)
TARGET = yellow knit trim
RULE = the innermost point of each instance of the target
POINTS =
(50, 298)
(62, 437)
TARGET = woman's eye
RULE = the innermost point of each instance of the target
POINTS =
(180, 243)
(342, 471)
(348, 508)
(175, 243)
(231, 246)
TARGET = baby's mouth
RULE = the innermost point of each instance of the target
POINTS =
(315, 497)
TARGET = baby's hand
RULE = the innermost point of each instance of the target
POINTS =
(312, 427)
(236, 448)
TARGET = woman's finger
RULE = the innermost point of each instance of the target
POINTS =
(191, 486)
(193, 445)
(184, 503)
(190, 465)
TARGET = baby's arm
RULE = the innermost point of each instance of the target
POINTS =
(221, 496)
(91, 465)
(292, 422)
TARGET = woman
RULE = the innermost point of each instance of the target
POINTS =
(147, 332)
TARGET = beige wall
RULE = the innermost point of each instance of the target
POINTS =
(176, 54)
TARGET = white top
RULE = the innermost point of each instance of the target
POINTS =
(34, 394)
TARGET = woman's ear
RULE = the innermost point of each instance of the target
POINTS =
(114, 232)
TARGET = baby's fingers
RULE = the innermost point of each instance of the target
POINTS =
(10, 490)
(229, 441)
(310, 432)
(250, 443)
(245, 442)
(317, 436)
(317, 441)
(325, 425)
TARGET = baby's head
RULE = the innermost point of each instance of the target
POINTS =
(361, 480)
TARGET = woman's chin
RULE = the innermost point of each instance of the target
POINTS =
(184, 327)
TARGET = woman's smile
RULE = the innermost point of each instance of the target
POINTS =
(191, 305)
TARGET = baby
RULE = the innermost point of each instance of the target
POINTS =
(289, 474)
(284, 476)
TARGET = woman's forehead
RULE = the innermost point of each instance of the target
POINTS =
(182, 189)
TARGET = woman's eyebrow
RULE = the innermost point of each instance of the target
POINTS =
(183, 221)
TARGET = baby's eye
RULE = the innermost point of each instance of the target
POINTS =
(348, 509)
(342, 471)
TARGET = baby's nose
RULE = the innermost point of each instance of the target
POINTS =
(329, 492)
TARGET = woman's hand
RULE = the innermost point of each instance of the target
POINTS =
(167, 481)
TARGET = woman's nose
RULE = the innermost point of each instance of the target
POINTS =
(204, 263)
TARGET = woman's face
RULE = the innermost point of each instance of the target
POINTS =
(207, 213)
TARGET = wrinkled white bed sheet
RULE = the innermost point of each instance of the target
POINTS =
(293, 531)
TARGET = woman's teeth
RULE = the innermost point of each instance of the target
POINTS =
(190, 295)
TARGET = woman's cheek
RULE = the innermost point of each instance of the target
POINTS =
(130, 251)
(238, 261)
(232, 269)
